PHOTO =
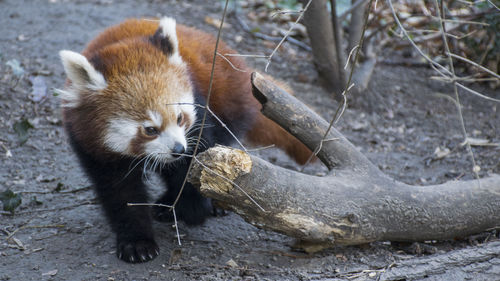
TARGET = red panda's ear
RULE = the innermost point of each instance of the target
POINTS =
(165, 38)
(81, 73)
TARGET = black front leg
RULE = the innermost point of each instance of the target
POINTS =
(117, 185)
(192, 208)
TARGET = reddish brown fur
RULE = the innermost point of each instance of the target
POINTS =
(231, 93)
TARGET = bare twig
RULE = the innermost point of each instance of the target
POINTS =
(230, 63)
(349, 57)
(54, 191)
(442, 70)
(176, 225)
(476, 93)
(440, 14)
(491, 3)
(49, 209)
(247, 56)
(492, 73)
(337, 37)
(218, 120)
(462, 21)
(301, 14)
(341, 108)
(207, 100)
(266, 37)
(348, 11)
(34, 226)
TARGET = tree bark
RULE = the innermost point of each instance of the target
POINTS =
(320, 32)
(355, 204)
(473, 263)
(356, 24)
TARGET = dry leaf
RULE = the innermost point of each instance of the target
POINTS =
(441, 153)
(50, 273)
(216, 22)
(232, 263)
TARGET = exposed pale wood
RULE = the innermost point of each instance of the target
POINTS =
(354, 204)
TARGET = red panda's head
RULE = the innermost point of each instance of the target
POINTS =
(133, 97)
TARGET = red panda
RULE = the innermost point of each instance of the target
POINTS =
(131, 103)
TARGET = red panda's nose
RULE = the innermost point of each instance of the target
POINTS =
(178, 149)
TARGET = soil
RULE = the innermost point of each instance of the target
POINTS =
(402, 123)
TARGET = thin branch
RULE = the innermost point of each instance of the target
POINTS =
(287, 34)
(284, 12)
(350, 55)
(492, 73)
(344, 15)
(49, 209)
(176, 225)
(34, 226)
(341, 108)
(230, 63)
(407, 36)
(491, 3)
(462, 21)
(207, 100)
(266, 37)
(247, 56)
(440, 14)
(261, 148)
(459, 37)
(476, 93)
(216, 118)
(337, 37)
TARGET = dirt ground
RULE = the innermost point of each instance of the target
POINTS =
(58, 232)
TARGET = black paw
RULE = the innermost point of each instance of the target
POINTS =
(191, 215)
(218, 211)
(162, 214)
(192, 208)
(137, 251)
(194, 216)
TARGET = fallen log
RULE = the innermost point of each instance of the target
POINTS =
(354, 204)
(480, 262)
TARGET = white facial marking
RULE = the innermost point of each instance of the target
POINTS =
(156, 118)
(167, 26)
(120, 132)
(187, 106)
(163, 145)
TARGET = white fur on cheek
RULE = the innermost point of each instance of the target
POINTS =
(162, 146)
(120, 133)
(187, 106)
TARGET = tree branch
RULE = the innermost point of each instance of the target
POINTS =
(355, 204)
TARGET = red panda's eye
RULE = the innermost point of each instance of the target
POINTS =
(151, 131)
(180, 119)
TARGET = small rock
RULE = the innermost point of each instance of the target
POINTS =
(232, 263)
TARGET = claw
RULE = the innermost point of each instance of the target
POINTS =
(144, 258)
(132, 259)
